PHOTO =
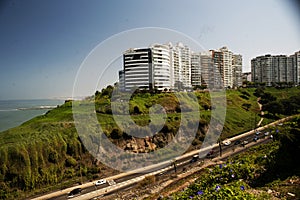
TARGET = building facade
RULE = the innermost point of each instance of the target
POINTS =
(196, 69)
(161, 66)
(185, 58)
(237, 69)
(138, 69)
(276, 69)
(176, 67)
(207, 69)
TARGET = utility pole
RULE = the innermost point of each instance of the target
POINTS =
(174, 165)
(220, 146)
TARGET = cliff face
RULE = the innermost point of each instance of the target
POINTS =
(137, 145)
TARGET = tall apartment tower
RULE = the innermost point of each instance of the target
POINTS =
(294, 60)
(176, 74)
(223, 64)
(161, 66)
(207, 69)
(185, 57)
(138, 69)
(146, 68)
(237, 66)
(121, 80)
(195, 69)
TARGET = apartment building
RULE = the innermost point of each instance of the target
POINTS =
(196, 69)
(161, 66)
(276, 69)
(185, 56)
(207, 69)
(138, 69)
(237, 68)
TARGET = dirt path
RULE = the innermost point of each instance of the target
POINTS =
(261, 112)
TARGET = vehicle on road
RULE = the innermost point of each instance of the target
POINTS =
(209, 154)
(255, 139)
(100, 182)
(74, 192)
(257, 132)
(244, 143)
(227, 142)
(237, 142)
(111, 182)
(266, 133)
(194, 159)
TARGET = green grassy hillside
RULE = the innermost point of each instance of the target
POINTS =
(46, 153)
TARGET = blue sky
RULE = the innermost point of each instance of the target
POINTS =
(43, 43)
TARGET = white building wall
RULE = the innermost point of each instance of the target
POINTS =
(138, 70)
(227, 67)
(161, 66)
(195, 69)
(185, 55)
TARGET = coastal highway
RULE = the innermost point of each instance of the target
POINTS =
(125, 180)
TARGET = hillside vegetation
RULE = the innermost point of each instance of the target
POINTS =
(268, 171)
(46, 153)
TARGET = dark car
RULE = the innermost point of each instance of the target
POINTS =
(209, 155)
(255, 138)
(194, 159)
(237, 142)
(74, 192)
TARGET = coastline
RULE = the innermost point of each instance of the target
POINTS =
(15, 112)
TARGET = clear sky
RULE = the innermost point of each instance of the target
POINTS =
(44, 42)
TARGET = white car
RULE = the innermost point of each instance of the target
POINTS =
(227, 142)
(111, 182)
(100, 182)
(266, 133)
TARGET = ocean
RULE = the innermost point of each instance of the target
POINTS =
(15, 112)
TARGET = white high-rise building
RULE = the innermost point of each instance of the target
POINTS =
(223, 64)
(138, 69)
(195, 69)
(237, 66)
(121, 80)
(161, 66)
(185, 55)
(175, 60)
(227, 67)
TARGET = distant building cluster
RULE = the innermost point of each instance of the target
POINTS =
(274, 70)
(177, 67)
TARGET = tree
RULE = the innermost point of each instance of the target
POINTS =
(266, 98)
(273, 107)
(246, 106)
(259, 92)
(107, 91)
(136, 110)
(116, 133)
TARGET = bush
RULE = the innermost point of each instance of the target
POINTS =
(116, 133)
(70, 162)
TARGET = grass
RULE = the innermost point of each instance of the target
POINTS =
(37, 154)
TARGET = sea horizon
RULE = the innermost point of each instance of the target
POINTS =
(17, 111)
